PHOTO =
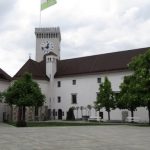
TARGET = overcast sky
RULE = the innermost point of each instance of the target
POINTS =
(88, 27)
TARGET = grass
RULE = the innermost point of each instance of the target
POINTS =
(74, 123)
(55, 124)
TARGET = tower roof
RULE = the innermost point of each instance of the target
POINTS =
(50, 53)
(37, 69)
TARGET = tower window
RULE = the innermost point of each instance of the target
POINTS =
(59, 84)
(74, 98)
(98, 80)
(74, 82)
(39, 35)
(59, 99)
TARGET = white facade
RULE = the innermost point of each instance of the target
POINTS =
(4, 85)
(44, 36)
(85, 88)
(72, 91)
(4, 110)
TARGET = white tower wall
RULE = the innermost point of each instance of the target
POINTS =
(44, 35)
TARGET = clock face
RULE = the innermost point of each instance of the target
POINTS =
(47, 46)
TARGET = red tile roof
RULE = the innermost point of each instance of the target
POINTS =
(37, 69)
(97, 63)
(83, 65)
(4, 76)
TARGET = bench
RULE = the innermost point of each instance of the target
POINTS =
(94, 118)
(133, 119)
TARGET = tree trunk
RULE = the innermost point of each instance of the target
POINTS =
(109, 115)
(81, 113)
(19, 114)
(11, 113)
(148, 113)
(23, 113)
(132, 115)
(77, 113)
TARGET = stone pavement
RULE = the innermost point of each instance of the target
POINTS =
(75, 138)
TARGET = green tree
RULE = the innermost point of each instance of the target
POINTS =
(105, 97)
(1, 96)
(128, 98)
(89, 107)
(24, 92)
(70, 114)
(141, 67)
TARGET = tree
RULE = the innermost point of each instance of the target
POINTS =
(70, 114)
(1, 96)
(89, 107)
(105, 97)
(128, 98)
(24, 92)
(81, 108)
(77, 108)
(141, 67)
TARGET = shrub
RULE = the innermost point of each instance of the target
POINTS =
(70, 114)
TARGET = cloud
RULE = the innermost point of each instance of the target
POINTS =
(87, 27)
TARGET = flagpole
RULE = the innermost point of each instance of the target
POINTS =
(40, 15)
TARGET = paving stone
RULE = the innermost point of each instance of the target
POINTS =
(75, 138)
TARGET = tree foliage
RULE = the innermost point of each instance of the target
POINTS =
(141, 67)
(128, 97)
(1, 96)
(24, 92)
(105, 97)
(70, 114)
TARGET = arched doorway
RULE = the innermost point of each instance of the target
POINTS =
(59, 114)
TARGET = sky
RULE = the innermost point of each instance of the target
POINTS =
(88, 27)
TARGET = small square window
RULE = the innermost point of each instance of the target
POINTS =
(59, 99)
(74, 98)
(58, 84)
(74, 82)
(98, 80)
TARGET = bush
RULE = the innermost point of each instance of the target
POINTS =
(70, 114)
(21, 124)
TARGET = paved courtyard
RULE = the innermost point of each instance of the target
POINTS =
(75, 138)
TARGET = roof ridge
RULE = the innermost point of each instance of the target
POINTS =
(105, 53)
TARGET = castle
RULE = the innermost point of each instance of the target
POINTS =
(74, 82)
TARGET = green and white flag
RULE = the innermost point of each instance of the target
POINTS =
(47, 3)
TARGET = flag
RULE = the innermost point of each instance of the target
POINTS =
(47, 3)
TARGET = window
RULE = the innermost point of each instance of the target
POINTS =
(58, 99)
(74, 82)
(58, 84)
(98, 80)
(74, 98)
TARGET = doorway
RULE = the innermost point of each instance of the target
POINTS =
(59, 114)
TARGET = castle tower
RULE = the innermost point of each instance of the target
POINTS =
(47, 40)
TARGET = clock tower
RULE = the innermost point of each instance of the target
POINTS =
(47, 40)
